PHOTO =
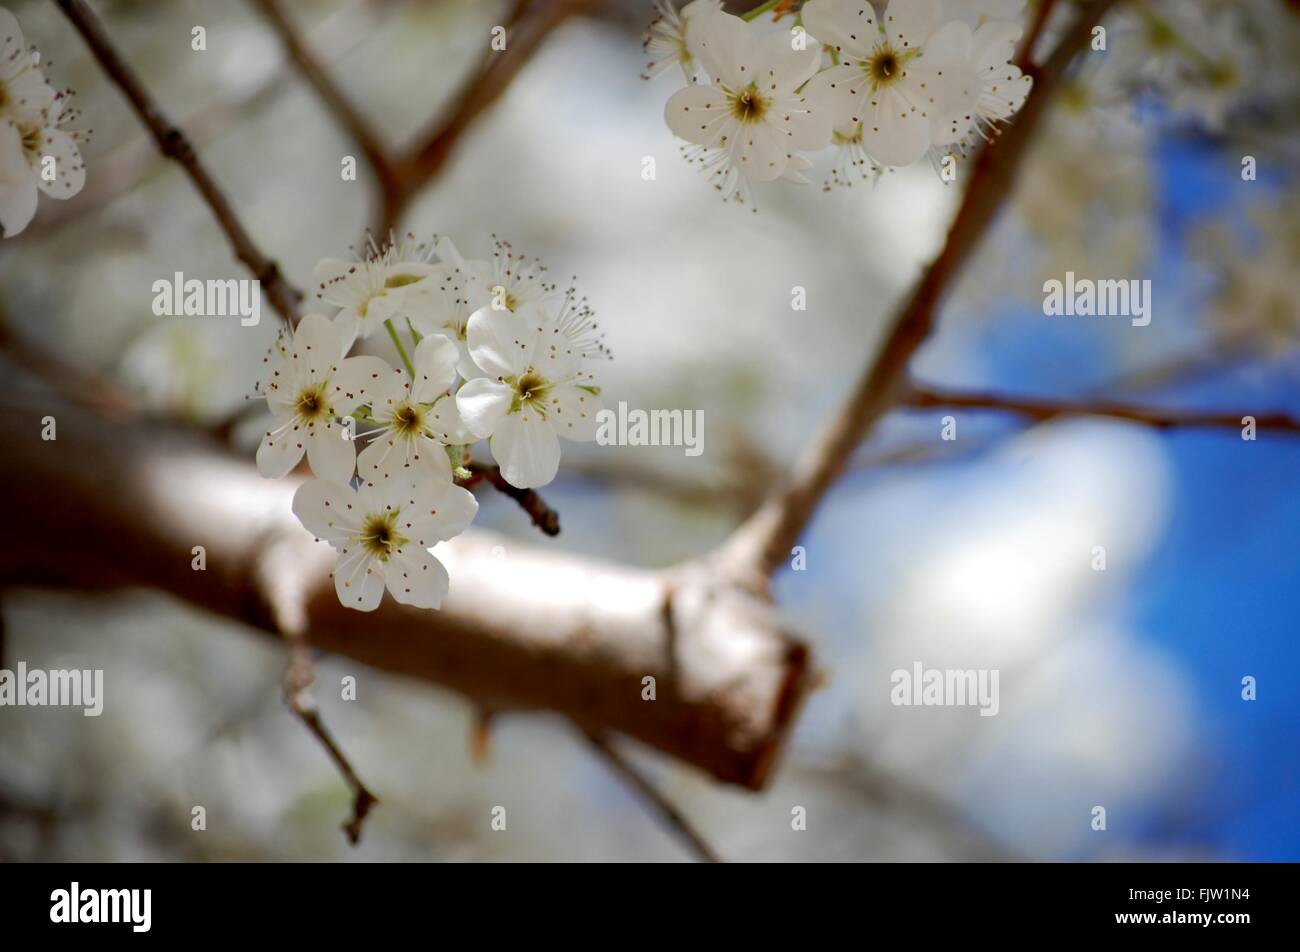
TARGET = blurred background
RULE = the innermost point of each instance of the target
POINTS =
(1120, 688)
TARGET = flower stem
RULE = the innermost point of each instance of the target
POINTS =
(759, 10)
(397, 342)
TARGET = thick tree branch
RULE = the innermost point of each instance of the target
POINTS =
(765, 540)
(173, 144)
(1041, 409)
(523, 628)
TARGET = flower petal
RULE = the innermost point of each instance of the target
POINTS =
(414, 577)
(69, 170)
(359, 581)
(527, 450)
(572, 411)
(315, 348)
(482, 404)
(501, 342)
(435, 367)
(847, 25)
(895, 132)
(280, 450)
(369, 380)
(327, 510)
(725, 47)
(697, 114)
(330, 452)
(909, 24)
(437, 514)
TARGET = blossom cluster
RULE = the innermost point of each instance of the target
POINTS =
(37, 154)
(916, 80)
(496, 352)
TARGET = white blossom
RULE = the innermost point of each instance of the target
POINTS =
(375, 288)
(533, 388)
(1002, 87)
(900, 78)
(23, 89)
(752, 120)
(669, 38)
(304, 402)
(383, 533)
(415, 420)
(36, 153)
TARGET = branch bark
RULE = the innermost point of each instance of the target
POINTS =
(763, 543)
(122, 502)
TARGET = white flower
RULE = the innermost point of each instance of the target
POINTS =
(416, 420)
(510, 281)
(383, 534)
(36, 155)
(1003, 88)
(376, 288)
(668, 42)
(304, 401)
(534, 389)
(752, 120)
(23, 89)
(898, 78)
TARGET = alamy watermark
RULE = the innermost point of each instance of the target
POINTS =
(36, 687)
(73, 905)
(1084, 297)
(231, 297)
(947, 687)
(636, 427)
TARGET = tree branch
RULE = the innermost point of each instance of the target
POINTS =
(350, 118)
(298, 678)
(652, 798)
(529, 24)
(522, 629)
(1041, 409)
(543, 516)
(173, 144)
(764, 541)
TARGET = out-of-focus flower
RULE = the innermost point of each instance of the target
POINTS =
(901, 79)
(751, 118)
(376, 288)
(668, 40)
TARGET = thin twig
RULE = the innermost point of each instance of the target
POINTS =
(653, 799)
(352, 120)
(543, 516)
(762, 544)
(529, 24)
(298, 677)
(135, 161)
(1046, 409)
(173, 144)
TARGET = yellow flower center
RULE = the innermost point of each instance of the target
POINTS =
(379, 535)
(312, 404)
(747, 105)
